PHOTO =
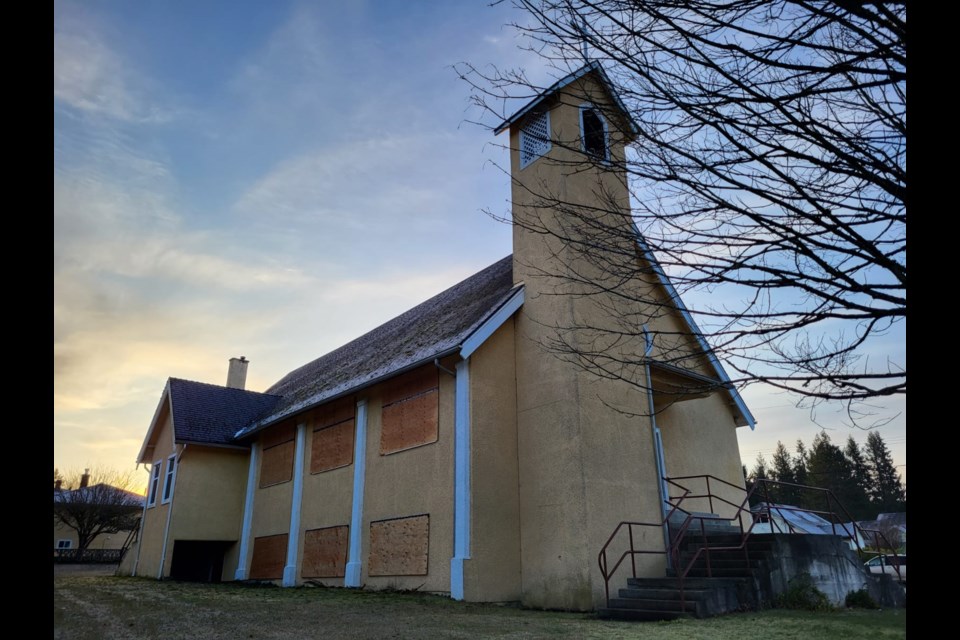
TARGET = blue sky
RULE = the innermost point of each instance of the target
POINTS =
(271, 179)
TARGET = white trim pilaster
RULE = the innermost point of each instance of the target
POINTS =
(461, 475)
(354, 571)
(243, 559)
(293, 538)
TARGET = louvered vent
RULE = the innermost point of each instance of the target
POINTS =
(534, 138)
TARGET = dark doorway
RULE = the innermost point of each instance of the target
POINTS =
(198, 560)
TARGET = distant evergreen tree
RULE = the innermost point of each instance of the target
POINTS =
(759, 472)
(783, 471)
(860, 506)
(828, 468)
(886, 488)
(800, 473)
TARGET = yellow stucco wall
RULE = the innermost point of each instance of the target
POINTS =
(699, 437)
(102, 541)
(208, 501)
(155, 518)
(493, 572)
(327, 501)
(585, 444)
(412, 482)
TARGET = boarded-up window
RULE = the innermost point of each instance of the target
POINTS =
(333, 436)
(411, 410)
(325, 552)
(269, 556)
(276, 463)
(400, 547)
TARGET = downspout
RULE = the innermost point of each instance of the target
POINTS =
(243, 553)
(293, 538)
(657, 445)
(354, 570)
(166, 529)
(461, 476)
(143, 517)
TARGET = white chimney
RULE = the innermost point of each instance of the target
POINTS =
(237, 373)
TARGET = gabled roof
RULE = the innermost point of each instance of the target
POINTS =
(209, 414)
(593, 66)
(433, 329)
(100, 493)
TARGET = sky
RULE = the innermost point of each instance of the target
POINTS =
(272, 180)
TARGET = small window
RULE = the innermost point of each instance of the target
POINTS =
(168, 481)
(534, 138)
(64, 544)
(154, 483)
(593, 131)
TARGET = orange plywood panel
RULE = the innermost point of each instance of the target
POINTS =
(269, 556)
(410, 423)
(278, 435)
(276, 464)
(325, 552)
(332, 447)
(334, 412)
(410, 384)
(400, 547)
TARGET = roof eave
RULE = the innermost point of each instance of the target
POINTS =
(592, 66)
(164, 398)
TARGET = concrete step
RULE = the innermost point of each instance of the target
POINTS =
(654, 593)
(722, 563)
(644, 604)
(696, 583)
(715, 572)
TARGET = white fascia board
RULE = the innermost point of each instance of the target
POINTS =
(491, 324)
(593, 65)
(164, 397)
(688, 318)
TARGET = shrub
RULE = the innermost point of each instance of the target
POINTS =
(860, 600)
(802, 594)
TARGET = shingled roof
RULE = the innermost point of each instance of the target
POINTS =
(211, 414)
(430, 330)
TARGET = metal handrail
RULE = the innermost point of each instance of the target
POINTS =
(675, 542)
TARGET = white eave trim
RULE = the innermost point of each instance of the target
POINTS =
(491, 324)
(164, 397)
(675, 298)
(593, 65)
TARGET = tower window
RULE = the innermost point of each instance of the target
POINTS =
(593, 130)
(534, 138)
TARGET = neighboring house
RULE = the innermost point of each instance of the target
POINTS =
(447, 450)
(108, 513)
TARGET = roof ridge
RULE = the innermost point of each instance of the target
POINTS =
(223, 387)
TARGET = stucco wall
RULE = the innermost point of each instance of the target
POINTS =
(155, 518)
(585, 444)
(493, 572)
(327, 501)
(208, 499)
(408, 483)
(102, 541)
(699, 437)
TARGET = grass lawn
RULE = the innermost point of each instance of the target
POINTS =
(107, 607)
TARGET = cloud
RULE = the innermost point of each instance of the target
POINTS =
(90, 76)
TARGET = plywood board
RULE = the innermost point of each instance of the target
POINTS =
(334, 413)
(410, 384)
(278, 435)
(325, 552)
(276, 464)
(332, 447)
(400, 547)
(269, 556)
(410, 423)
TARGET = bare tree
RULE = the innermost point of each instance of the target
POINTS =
(94, 503)
(768, 176)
